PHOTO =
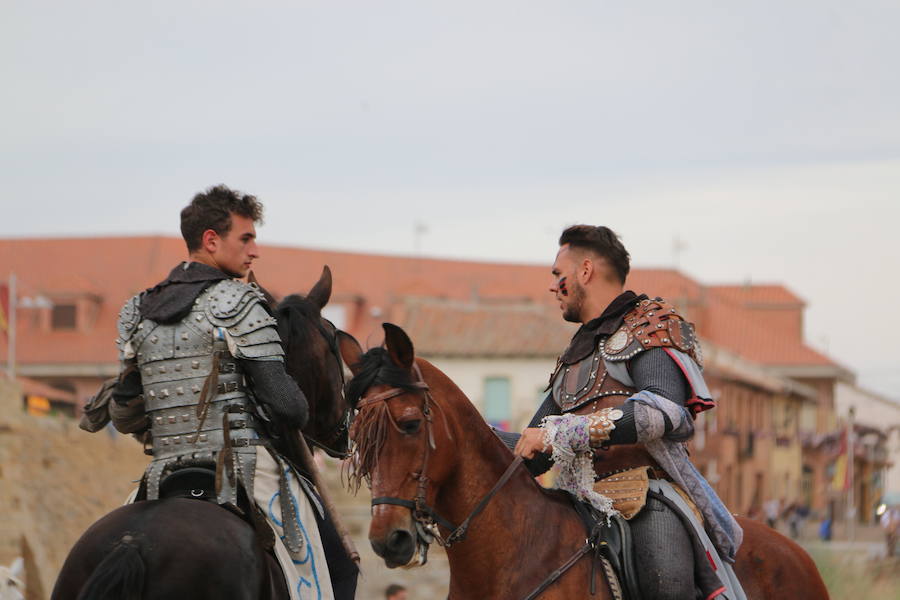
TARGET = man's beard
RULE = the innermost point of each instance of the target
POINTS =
(572, 311)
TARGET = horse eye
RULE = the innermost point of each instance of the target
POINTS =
(410, 427)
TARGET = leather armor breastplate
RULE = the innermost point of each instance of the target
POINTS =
(586, 386)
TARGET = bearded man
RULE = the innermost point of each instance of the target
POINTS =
(621, 403)
(202, 372)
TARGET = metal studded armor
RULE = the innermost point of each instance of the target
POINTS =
(193, 387)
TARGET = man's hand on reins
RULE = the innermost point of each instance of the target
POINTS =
(531, 442)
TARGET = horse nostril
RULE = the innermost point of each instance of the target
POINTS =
(399, 542)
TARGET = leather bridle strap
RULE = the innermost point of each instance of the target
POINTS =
(412, 506)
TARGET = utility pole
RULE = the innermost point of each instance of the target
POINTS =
(851, 453)
(11, 329)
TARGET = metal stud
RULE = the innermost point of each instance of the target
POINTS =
(195, 364)
(162, 369)
(152, 394)
(179, 390)
(172, 419)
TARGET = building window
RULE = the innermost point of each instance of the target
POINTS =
(498, 402)
(62, 316)
(337, 314)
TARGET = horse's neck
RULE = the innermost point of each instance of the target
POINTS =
(519, 518)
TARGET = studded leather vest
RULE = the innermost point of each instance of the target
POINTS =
(587, 384)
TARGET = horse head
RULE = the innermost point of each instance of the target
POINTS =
(402, 444)
(312, 358)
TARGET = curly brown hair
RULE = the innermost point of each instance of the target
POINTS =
(212, 209)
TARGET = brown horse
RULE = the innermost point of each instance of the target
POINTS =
(418, 439)
(184, 548)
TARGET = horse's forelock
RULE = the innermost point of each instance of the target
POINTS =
(370, 426)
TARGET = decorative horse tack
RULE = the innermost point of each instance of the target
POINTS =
(427, 519)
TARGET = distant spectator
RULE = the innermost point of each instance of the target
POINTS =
(825, 529)
(890, 522)
(772, 509)
(395, 592)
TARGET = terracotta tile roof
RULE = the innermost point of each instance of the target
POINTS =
(758, 295)
(373, 286)
(451, 328)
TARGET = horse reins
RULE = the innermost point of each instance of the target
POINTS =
(428, 518)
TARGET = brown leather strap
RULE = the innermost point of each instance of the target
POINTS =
(459, 534)
(551, 579)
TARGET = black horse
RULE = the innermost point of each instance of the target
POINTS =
(183, 548)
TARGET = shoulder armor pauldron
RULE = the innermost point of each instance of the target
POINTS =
(129, 317)
(651, 324)
(240, 309)
(228, 299)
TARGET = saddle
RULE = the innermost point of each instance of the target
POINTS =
(199, 483)
(612, 542)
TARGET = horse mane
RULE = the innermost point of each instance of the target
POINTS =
(292, 329)
(370, 428)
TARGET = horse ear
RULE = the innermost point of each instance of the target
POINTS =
(399, 346)
(270, 299)
(321, 292)
(350, 349)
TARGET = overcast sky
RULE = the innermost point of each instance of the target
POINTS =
(766, 137)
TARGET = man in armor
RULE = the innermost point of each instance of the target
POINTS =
(202, 375)
(620, 406)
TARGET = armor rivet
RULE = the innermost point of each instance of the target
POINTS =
(665, 340)
(176, 439)
(165, 441)
(148, 371)
(185, 417)
(118, 341)
(184, 336)
(179, 390)
(178, 366)
(203, 437)
(152, 394)
(195, 389)
(195, 364)
(154, 339)
(162, 369)
(172, 419)
(159, 420)
(165, 393)
(650, 314)
(199, 317)
(659, 325)
(140, 325)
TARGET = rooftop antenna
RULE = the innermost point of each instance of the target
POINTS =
(419, 230)
(678, 246)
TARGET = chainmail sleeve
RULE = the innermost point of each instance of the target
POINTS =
(541, 462)
(277, 391)
(652, 371)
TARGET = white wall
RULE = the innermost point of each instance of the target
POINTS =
(528, 377)
(878, 412)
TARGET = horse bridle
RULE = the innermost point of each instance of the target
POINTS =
(344, 424)
(425, 516)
